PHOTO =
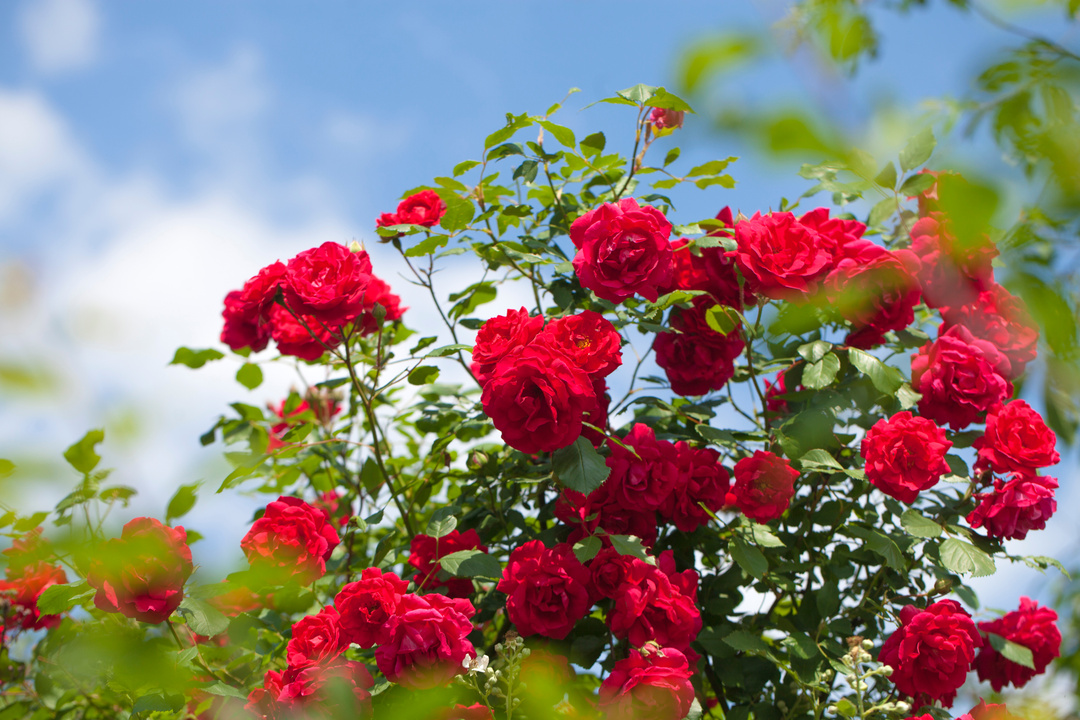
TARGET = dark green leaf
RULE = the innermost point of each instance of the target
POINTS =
(667, 101)
(749, 558)
(157, 702)
(745, 642)
(882, 545)
(587, 548)
(249, 375)
(672, 156)
(195, 358)
(820, 374)
(81, 455)
(459, 213)
(885, 378)
(423, 375)
(442, 526)
(811, 352)
(371, 477)
(1015, 652)
(428, 245)
(579, 467)
(447, 350)
(593, 144)
(223, 690)
(630, 545)
(182, 501)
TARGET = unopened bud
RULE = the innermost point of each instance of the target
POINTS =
(942, 586)
(887, 670)
(902, 706)
(868, 645)
(355, 247)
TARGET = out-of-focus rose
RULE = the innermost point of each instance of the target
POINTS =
(426, 641)
(764, 486)
(1001, 318)
(951, 273)
(1032, 627)
(663, 119)
(291, 541)
(425, 552)
(651, 684)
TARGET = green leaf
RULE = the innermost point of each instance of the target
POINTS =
(630, 545)
(463, 167)
(579, 467)
(764, 537)
(587, 548)
(459, 213)
(908, 398)
(812, 352)
(6, 468)
(638, 94)
(428, 245)
(713, 167)
(880, 544)
(963, 557)
(440, 526)
(157, 702)
(802, 645)
(195, 358)
(249, 375)
(918, 525)
(882, 211)
(722, 319)
(846, 708)
(202, 617)
(58, 599)
(917, 184)
(745, 642)
(182, 501)
(371, 476)
(820, 374)
(423, 375)
(819, 459)
(885, 378)
(665, 184)
(918, 150)
(672, 156)
(749, 558)
(668, 101)
(81, 455)
(593, 144)
(564, 135)
(887, 177)
(1015, 652)
(447, 350)
(471, 563)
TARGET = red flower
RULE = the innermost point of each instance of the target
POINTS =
(423, 208)
(425, 552)
(588, 340)
(648, 685)
(644, 474)
(623, 250)
(764, 486)
(1016, 507)
(315, 639)
(1033, 627)
(1001, 318)
(247, 310)
(23, 587)
(292, 540)
(982, 711)
(875, 294)
(313, 692)
(663, 119)
(548, 589)
(476, 711)
(378, 292)
(780, 257)
(702, 480)
(951, 274)
(1016, 440)
(773, 391)
(368, 605)
(537, 398)
(142, 573)
(905, 455)
(932, 651)
(426, 641)
(608, 571)
(696, 358)
(328, 282)
(960, 378)
(499, 336)
(305, 336)
(649, 607)
(324, 409)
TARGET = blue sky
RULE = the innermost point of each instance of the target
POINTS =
(155, 155)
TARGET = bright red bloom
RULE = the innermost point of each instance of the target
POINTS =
(499, 336)
(368, 605)
(294, 335)
(537, 398)
(905, 455)
(608, 571)
(548, 590)
(1033, 627)
(1014, 508)
(649, 606)
(426, 641)
(696, 358)
(315, 639)
(313, 692)
(951, 274)
(781, 257)
(378, 292)
(649, 685)
(1016, 440)
(623, 250)
(247, 310)
(644, 474)
(142, 573)
(322, 412)
(702, 480)
(291, 541)
(932, 651)
(328, 282)
(23, 587)
(423, 208)
(960, 378)
(663, 119)
(1001, 318)
(587, 339)
(764, 486)
(425, 552)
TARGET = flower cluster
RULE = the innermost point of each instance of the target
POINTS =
(27, 575)
(424, 208)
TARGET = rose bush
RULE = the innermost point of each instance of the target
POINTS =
(520, 515)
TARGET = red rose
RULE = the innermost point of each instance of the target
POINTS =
(332, 504)
(246, 310)
(476, 711)
(951, 274)
(423, 208)
(426, 641)
(702, 480)
(780, 257)
(499, 336)
(292, 540)
(23, 587)
(773, 392)
(982, 711)
(696, 358)
(328, 282)
(875, 295)
(648, 685)
(608, 571)
(142, 573)
(315, 639)
(601, 510)
(932, 651)
(324, 410)
(537, 398)
(587, 339)
(425, 552)
(1016, 507)
(764, 486)
(1033, 627)
(314, 692)
(644, 474)
(649, 607)
(386, 220)
(293, 335)
(663, 119)
(367, 606)
(1001, 318)
(1016, 440)
(378, 292)
(623, 250)
(960, 378)
(548, 589)
(905, 455)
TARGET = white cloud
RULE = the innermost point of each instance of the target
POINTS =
(60, 35)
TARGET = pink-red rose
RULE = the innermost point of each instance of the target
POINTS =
(315, 639)
(664, 119)
(932, 651)
(1014, 508)
(782, 258)
(588, 340)
(367, 606)
(905, 455)
(328, 282)
(960, 378)
(291, 541)
(142, 573)
(623, 250)
(547, 589)
(764, 486)
(1032, 627)
(426, 641)
(1016, 440)
(651, 684)
(499, 336)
